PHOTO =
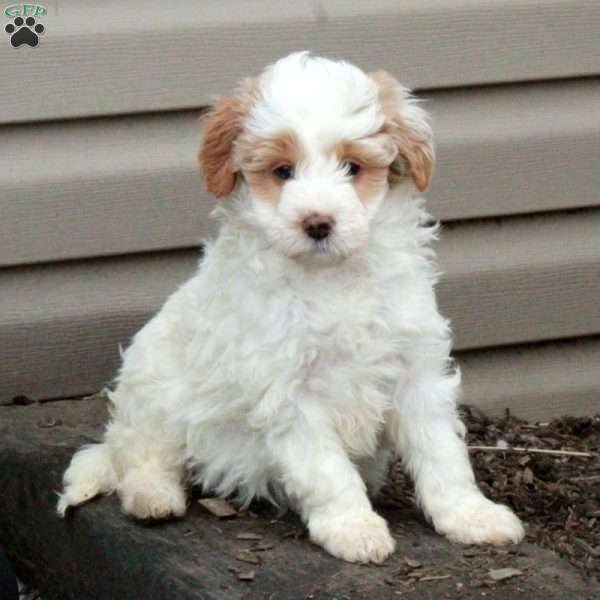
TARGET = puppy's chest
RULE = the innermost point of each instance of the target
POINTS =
(327, 342)
(339, 318)
(354, 365)
(346, 329)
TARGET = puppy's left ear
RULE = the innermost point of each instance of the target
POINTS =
(223, 124)
(408, 125)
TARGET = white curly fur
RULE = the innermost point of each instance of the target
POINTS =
(290, 369)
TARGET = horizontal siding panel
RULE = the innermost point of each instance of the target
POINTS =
(100, 187)
(534, 382)
(518, 280)
(516, 149)
(121, 185)
(113, 57)
(522, 279)
(61, 325)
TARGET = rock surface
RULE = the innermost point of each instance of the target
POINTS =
(98, 553)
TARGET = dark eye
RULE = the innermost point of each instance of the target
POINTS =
(352, 168)
(284, 172)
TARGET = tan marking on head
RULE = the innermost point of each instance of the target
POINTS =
(223, 124)
(264, 186)
(375, 151)
(415, 150)
(258, 157)
(369, 182)
(373, 155)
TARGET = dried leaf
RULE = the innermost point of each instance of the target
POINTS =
(528, 475)
(246, 535)
(415, 564)
(246, 575)
(572, 522)
(248, 557)
(218, 507)
(501, 574)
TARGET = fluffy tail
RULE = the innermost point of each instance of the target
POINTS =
(90, 473)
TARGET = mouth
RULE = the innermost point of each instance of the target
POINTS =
(322, 247)
(319, 252)
(327, 252)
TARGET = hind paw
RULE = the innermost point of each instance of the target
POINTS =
(76, 494)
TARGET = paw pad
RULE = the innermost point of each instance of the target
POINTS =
(24, 31)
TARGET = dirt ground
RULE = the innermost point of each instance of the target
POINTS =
(557, 494)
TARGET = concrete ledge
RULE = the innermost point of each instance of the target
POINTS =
(98, 553)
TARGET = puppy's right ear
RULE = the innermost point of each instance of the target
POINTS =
(223, 123)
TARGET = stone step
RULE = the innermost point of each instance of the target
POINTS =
(98, 553)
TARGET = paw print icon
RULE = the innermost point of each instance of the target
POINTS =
(24, 32)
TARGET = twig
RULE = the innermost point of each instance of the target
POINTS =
(583, 545)
(434, 578)
(531, 451)
(590, 478)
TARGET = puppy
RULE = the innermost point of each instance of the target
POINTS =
(308, 349)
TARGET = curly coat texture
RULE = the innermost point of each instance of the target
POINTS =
(293, 366)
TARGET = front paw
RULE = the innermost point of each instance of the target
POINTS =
(356, 537)
(477, 520)
(151, 494)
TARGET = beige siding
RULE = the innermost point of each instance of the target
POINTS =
(120, 57)
(522, 279)
(130, 184)
(62, 324)
(100, 218)
(535, 382)
(516, 149)
(506, 282)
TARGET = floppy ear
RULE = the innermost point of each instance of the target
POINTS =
(222, 125)
(407, 124)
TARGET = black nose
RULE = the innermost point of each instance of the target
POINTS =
(318, 227)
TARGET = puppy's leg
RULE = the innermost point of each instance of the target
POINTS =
(141, 469)
(374, 471)
(430, 438)
(149, 491)
(90, 473)
(330, 494)
(150, 473)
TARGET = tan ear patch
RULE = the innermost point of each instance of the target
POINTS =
(223, 124)
(415, 149)
(416, 155)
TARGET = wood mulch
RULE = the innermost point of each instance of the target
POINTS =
(557, 494)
